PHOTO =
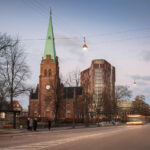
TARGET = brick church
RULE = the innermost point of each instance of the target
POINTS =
(51, 100)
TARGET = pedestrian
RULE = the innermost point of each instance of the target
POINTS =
(113, 121)
(35, 124)
(49, 124)
(28, 121)
(31, 124)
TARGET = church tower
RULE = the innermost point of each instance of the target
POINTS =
(49, 77)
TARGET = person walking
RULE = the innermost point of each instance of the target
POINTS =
(35, 124)
(49, 124)
(31, 124)
(113, 121)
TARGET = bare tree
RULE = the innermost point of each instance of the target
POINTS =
(122, 92)
(73, 80)
(13, 69)
(56, 90)
(5, 43)
(87, 96)
(87, 101)
(100, 105)
(140, 97)
(68, 81)
(76, 80)
(76, 77)
(107, 105)
(53, 95)
(3, 93)
(139, 106)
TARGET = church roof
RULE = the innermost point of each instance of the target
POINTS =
(50, 43)
(34, 94)
(69, 91)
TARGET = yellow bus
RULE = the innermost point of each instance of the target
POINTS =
(135, 120)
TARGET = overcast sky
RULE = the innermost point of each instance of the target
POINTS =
(115, 30)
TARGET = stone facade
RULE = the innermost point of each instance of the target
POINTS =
(48, 86)
(43, 100)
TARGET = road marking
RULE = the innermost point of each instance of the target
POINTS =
(42, 145)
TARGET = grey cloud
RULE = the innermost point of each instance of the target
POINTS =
(145, 55)
(142, 83)
(69, 43)
(144, 78)
(70, 48)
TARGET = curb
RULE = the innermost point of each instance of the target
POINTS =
(25, 132)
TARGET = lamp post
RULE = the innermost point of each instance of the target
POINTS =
(84, 46)
(134, 83)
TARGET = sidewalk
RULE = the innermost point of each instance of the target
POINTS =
(17, 131)
(13, 132)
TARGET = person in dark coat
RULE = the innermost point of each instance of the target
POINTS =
(35, 124)
(49, 124)
(28, 122)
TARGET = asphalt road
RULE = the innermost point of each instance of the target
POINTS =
(102, 138)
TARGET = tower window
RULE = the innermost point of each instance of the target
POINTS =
(49, 72)
(45, 72)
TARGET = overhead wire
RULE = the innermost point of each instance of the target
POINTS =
(121, 32)
(130, 38)
(105, 34)
(38, 5)
(44, 8)
(40, 8)
(32, 7)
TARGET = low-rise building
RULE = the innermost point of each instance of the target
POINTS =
(124, 109)
(17, 106)
(7, 114)
(124, 105)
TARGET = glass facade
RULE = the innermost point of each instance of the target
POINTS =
(98, 87)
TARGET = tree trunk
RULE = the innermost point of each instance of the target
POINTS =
(86, 117)
(74, 109)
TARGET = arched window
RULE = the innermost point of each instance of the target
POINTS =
(45, 72)
(49, 72)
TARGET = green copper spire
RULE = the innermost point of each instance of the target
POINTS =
(50, 44)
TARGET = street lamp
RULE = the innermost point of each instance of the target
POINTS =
(134, 83)
(84, 46)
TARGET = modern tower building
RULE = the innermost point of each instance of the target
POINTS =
(99, 82)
